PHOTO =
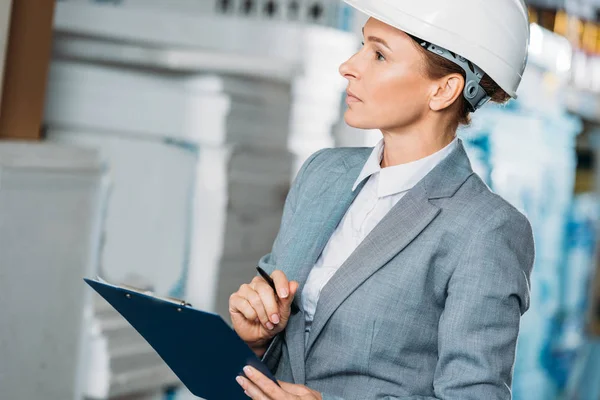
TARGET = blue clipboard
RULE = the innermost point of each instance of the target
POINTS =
(200, 347)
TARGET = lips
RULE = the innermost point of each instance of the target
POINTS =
(351, 96)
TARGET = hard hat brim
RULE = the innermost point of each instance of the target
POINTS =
(495, 66)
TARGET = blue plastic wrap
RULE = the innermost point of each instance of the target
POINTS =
(531, 162)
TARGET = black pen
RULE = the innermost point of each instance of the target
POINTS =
(269, 280)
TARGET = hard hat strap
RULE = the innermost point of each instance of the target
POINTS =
(475, 95)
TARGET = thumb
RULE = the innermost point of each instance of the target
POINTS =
(293, 287)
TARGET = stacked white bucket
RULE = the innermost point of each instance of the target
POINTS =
(204, 115)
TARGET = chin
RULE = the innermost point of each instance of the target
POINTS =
(357, 121)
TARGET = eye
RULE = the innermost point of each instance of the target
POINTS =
(379, 55)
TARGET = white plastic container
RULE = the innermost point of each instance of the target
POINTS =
(51, 202)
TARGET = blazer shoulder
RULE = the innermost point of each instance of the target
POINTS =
(491, 222)
(490, 206)
(337, 159)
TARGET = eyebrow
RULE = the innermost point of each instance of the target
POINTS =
(376, 39)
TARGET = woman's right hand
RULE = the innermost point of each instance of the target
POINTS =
(258, 313)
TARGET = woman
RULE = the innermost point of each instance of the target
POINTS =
(410, 274)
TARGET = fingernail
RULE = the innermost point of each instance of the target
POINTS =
(246, 393)
(270, 326)
(275, 318)
(283, 293)
(239, 380)
(248, 371)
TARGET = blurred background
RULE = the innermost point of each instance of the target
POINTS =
(153, 142)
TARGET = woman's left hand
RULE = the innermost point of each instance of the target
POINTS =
(259, 387)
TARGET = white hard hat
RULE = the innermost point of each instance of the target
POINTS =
(492, 34)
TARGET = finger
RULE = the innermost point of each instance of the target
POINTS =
(293, 288)
(264, 384)
(255, 280)
(239, 305)
(250, 389)
(268, 298)
(256, 302)
(287, 303)
(281, 284)
(297, 390)
(269, 301)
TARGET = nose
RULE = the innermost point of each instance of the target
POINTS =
(348, 69)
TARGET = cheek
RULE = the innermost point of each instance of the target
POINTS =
(394, 92)
(392, 98)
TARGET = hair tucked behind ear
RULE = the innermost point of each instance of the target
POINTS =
(437, 67)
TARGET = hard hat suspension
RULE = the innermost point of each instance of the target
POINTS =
(475, 95)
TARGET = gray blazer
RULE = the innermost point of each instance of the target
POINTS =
(427, 307)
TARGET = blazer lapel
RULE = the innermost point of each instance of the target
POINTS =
(331, 204)
(399, 227)
(409, 217)
(316, 223)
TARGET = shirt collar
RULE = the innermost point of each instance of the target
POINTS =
(400, 178)
(372, 165)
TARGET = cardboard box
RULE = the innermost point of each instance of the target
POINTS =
(5, 8)
(26, 65)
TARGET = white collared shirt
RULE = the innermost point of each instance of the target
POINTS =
(382, 191)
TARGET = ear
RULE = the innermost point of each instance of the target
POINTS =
(446, 91)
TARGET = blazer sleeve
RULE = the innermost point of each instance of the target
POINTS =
(487, 295)
(269, 261)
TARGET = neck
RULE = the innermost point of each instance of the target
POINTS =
(413, 143)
